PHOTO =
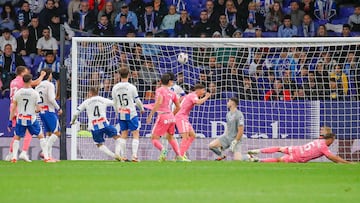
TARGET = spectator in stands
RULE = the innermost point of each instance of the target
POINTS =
(341, 78)
(106, 89)
(308, 7)
(136, 58)
(117, 6)
(303, 77)
(104, 28)
(231, 80)
(46, 43)
(321, 31)
(36, 5)
(167, 25)
(137, 6)
(258, 32)
(224, 27)
(73, 7)
(181, 82)
(139, 83)
(214, 71)
(219, 6)
(325, 10)
(184, 26)
(160, 7)
(26, 46)
(24, 15)
(123, 27)
(346, 31)
(296, 14)
(130, 16)
(108, 10)
(8, 16)
(264, 6)
(248, 90)
(285, 61)
(150, 49)
(96, 6)
(264, 81)
(351, 64)
(311, 87)
(46, 14)
(231, 13)
(203, 26)
(354, 19)
(203, 78)
(148, 72)
(85, 19)
(328, 62)
(7, 38)
(35, 30)
(8, 63)
(149, 21)
(214, 91)
(287, 29)
(274, 18)
(277, 93)
(213, 15)
(254, 19)
(289, 82)
(54, 27)
(335, 91)
(322, 79)
(307, 28)
(50, 62)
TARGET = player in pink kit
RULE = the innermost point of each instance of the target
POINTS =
(16, 84)
(304, 153)
(182, 117)
(165, 121)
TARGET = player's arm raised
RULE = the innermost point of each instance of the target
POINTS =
(203, 100)
(36, 82)
(157, 104)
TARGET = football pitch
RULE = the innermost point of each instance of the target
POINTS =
(173, 182)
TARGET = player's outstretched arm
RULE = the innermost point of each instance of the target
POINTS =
(36, 82)
(203, 100)
(337, 159)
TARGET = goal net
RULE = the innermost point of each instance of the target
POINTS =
(288, 88)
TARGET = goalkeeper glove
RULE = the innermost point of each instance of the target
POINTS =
(232, 145)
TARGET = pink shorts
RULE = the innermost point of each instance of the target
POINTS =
(164, 124)
(183, 126)
(289, 156)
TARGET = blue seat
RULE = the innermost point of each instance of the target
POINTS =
(340, 21)
(28, 61)
(269, 34)
(346, 11)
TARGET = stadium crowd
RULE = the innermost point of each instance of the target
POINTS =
(31, 34)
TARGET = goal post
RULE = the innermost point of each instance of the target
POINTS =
(288, 87)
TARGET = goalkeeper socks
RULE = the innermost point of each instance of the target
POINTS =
(270, 160)
(135, 147)
(15, 147)
(183, 146)
(27, 141)
(157, 144)
(117, 146)
(270, 150)
(216, 151)
(122, 147)
(44, 148)
(175, 146)
(106, 150)
(50, 142)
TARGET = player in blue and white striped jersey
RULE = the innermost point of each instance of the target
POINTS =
(95, 107)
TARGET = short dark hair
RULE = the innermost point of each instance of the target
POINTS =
(20, 69)
(172, 75)
(48, 71)
(287, 17)
(27, 78)
(346, 26)
(199, 86)
(235, 100)
(165, 78)
(124, 72)
(94, 90)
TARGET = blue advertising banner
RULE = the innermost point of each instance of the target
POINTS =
(265, 120)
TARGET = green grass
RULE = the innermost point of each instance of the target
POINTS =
(171, 182)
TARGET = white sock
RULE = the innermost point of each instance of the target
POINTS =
(107, 151)
(117, 146)
(44, 148)
(122, 142)
(50, 142)
(135, 147)
(15, 149)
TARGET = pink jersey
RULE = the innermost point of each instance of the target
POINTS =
(309, 151)
(15, 85)
(168, 97)
(187, 104)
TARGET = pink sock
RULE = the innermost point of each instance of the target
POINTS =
(189, 142)
(157, 144)
(175, 146)
(270, 150)
(27, 141)
(183, 146)
(11, 145)
(269, 160)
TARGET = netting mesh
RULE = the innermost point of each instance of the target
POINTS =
(287, 90)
